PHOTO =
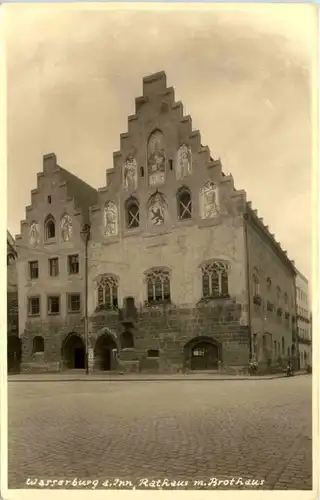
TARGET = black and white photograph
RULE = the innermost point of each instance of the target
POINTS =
(159, 200)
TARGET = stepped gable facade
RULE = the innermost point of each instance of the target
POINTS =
(181, 270)
(50, 267)
(171, 234)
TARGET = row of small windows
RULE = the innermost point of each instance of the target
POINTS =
(301, 295)
(303, 313)
(184, 202)
(54, 304)
(277, 347)
(303, 332)
(214, 285)
(72, 264)
(256, 288)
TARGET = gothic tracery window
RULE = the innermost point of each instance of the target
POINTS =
(184, 204)
(107, 291)
(158, 285)
(132, 213)
(215, 279)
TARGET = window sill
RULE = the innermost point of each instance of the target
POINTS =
(217, 297)
(53, 314)
(74, 312)
(155, 303)
(52, 241)
(189, 219)
(34, 315)
(106, 310)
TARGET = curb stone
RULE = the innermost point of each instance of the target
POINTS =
(133, 378)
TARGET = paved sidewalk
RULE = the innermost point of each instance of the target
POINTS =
(118, 377)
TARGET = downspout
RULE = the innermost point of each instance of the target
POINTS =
(246, 243)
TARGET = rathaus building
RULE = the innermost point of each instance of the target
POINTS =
(179, 272)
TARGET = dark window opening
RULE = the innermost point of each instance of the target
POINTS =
(49, 200)
(73, 264)
(38, 344)
(133, 220)
(153, 353)
(171, 164)
(184, 205)
(34, 269)
(141, 172)
(54, 267)
(54, 305)
(34, 306)
(50, 229)
(74, 302)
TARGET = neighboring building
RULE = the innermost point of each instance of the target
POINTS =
(13, 343)
(303, 321)
(51, 267)
(182, 274)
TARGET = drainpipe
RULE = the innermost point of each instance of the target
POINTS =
(245, 217)
(85, 232)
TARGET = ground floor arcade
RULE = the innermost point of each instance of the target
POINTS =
(108, 352)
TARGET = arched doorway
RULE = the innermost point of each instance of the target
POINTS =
(202, 353)
(73, 352)
(103, 352)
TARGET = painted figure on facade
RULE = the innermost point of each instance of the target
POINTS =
(157, 209)
(184, 162)
(110, 219)
(130, 173)
(156, 158)
(66, 227)
(209, 205)
(34, 234)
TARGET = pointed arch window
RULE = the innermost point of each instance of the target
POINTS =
(50, 228)
(158, 285)
(184, 203)
(215, 279)
(132, 213)
(107, 292)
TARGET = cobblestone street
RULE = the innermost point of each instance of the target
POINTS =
(162, 430)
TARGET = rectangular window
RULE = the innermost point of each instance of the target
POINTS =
(73, 264)
(54, 304)
(54, 266)
(33, 306)
(34, 269)
(74, 302)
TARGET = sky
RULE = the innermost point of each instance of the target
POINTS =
(243, 73)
